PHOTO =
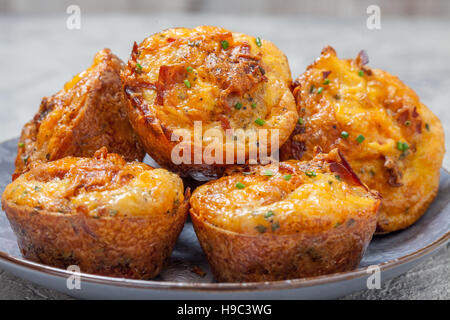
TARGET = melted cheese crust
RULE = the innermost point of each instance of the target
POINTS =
(378, 106)
(103, 186)
(184, 75)
(87, 114)
(286, 199)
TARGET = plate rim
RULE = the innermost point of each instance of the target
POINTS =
(224, 286)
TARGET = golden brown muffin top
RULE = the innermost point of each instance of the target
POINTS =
(291, 198)
(225, 79)
(102, 186)
(391, 139)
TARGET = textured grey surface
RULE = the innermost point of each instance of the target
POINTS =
(38, 54)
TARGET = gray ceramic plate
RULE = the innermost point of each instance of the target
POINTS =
(394, 254)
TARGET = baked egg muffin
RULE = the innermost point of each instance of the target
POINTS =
(221, 80)
(298, 219)
(105, 215)
(87, 114)
(391, 139)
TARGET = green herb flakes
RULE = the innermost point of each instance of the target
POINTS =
(360, 138)
(311, 173)
(269, 214)
(260, 228)
(240, 185)
(225, 44)
(345, 134)
(258, 41)
(402, 146)
(275, 226)
(268, 173)
(260, 122)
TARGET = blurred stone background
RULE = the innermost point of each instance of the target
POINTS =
(38, 54)
(337, 8)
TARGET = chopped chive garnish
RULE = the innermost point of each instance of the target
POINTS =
(427, 126)
(402, 146)
(25, 159)
(189, 69)
(361, 73)
(225, 44)
(311, 173)
(319, 91)
(253, 105)
(407, 123)
(344, 134)
(300, 120)
(187, 83)
(326, 81)
(287, 177)
(311, 89)
(37, 188)
(261, 228)
(350, 222)
(360, 138)
(138, 66)
(240, 185)
(260, 121)
(338, 177)
(21, 145)
(269, 214)
(238, 106)
(275, 226)
(258, 41)
(268, 173)
(113, 212)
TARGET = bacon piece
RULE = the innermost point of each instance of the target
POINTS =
(168, 76)
(362, 58)
(394, 173)
(345, 171)
(298, 148)
(235, 70)
(298, 129)
(326, 74)
(224, 122)
(140, 84)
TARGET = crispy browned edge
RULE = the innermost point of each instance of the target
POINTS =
(419, 212)
(156, 140)
(130, 247)
(236, 257)
(92, 119)
(154, 136)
